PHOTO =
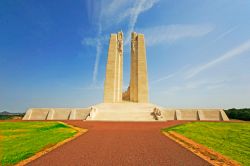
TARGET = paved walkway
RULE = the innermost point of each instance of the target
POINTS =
(121, 143)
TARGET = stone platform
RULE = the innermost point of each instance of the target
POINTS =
(127, 111)
(146, 112)
(195, 114)
(123, 112)
(57, 114)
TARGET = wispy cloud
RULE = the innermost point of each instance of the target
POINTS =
(113, 12)
(92, 41)
(203, 84)
(172, 75)
(171, 33)
(226, 33)
(230, 54)
(139, 7)
(186, 86)
(98, 53)
(95, 14)
(89, 41)
(163, 78)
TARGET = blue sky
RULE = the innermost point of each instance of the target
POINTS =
(53, 53)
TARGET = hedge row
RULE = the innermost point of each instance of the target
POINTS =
(9, 117)
(241, 114)
(5, 117)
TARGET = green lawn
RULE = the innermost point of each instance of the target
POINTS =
(230, 139)
(20, 140)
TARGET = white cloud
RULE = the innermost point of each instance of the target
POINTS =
(197, 85)
(163, 78)
(114, 6)
(171, 33)
(92, 41)
(224, 34)
(112, 11)
(116, 11)
(98, 54)
(94, 9)
(89, 41)
(178, 73)
(139, 7)
(230, 54)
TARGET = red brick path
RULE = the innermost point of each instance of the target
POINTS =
(121, 143)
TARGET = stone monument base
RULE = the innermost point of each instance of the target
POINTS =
(127, 111)
(123, 112)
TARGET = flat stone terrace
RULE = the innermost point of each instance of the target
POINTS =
(127, 111)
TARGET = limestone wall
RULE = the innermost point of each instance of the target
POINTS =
(79, 114)
(57, 114)
(36, 114)
(170, 115)
(213, 114)
(195, 114)
(189, 114)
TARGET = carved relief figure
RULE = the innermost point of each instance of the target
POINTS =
(133, 42)
(120, 43)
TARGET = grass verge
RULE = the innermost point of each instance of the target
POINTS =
(21, 140)
(229, 139)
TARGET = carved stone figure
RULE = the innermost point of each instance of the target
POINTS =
(133, 38)
(120, 43)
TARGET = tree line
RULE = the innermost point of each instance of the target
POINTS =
(241, 114)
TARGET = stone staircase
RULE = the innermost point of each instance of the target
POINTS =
(122, 112)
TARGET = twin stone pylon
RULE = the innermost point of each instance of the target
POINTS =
(138, 87)
(114, 70)
(137, 92)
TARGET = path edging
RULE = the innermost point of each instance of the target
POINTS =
(202, 151)
(80, 131)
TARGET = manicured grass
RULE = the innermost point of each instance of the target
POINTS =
(228, 138)
(20, 140)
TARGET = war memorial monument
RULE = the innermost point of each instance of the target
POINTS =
(131, 105)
